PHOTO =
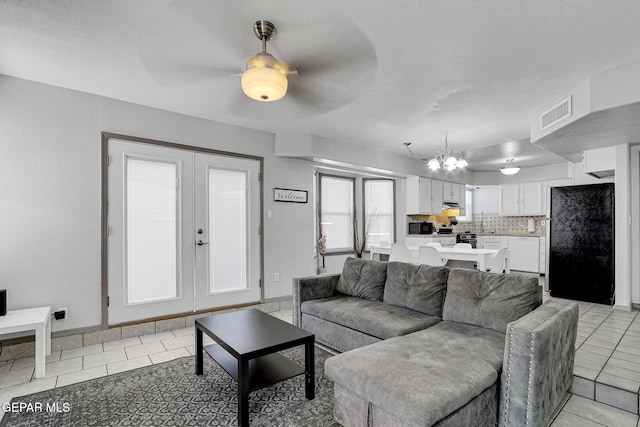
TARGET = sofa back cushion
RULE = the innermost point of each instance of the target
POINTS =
(363, 278)
(417, 287)
(489, 300)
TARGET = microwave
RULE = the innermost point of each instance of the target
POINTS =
(422, 227)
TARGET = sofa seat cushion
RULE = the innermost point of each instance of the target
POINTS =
(371, 317)
(489, 300)
(425, 376)
(416, 287)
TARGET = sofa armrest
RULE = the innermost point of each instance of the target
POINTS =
(313, 287)
(538, 361)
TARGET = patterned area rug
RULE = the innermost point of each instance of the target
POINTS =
(171, 394)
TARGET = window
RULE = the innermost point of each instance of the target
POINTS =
(336, 212)
(468, 209)
(379, 212)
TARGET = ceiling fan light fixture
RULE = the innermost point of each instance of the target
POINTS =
(265, 78)
(509, 169)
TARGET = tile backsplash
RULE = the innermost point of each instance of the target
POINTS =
(492, 223)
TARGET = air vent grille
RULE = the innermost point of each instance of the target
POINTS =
(556, 114)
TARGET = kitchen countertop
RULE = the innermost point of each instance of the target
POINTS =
(478, 235)
(511, 235)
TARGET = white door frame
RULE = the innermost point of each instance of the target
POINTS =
(105, 137)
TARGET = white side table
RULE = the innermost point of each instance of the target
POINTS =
(37, 319)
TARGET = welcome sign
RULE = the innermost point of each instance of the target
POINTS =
(288, 195)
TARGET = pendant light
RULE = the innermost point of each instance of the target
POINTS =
(509, 169)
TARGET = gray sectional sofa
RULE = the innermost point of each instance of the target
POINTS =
(425, 345)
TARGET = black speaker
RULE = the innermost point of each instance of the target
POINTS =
(3, 302)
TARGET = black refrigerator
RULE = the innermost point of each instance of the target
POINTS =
(581, 243)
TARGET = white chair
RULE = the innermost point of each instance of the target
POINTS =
(429, 255)
(434, 244)
(498, 265)
(400, 253)
(463, 245)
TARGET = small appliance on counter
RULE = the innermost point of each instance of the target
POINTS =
(445, 230)
(467, 237)
(420, 227)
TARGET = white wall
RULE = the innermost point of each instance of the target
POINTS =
(50, 193)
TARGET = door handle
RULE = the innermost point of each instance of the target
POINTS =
(200, 243)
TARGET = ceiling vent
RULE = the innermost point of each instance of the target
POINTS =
(555, 114)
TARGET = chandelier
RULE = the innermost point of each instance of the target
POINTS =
(445, 159)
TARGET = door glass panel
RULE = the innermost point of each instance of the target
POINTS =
(379, 212)
(228, 230)
(151, 230)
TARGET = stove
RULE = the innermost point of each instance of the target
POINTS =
(467, 237)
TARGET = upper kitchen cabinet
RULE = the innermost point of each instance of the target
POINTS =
(424, 196)
(452, 192)
(522, 199)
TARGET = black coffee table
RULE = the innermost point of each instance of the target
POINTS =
(249, 341)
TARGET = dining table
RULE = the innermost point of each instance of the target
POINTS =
(482, 257)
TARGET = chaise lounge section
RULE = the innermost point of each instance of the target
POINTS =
(432, 346)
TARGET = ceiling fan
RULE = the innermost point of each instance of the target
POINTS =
(192, 48)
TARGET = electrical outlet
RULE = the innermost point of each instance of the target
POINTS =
(60, 313)
(276, 277)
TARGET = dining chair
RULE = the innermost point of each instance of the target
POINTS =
(499, 261)
(429, 255)
(463, 245)
(400, 253)
(456, 263)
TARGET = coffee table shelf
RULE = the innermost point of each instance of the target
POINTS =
(247, 346)
(264, 371)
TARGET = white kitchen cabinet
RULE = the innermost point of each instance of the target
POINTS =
(599, 162)
(453, 192)
(436, 196)
(522, 199)
(509, 200)
(424, 196)
(492, 242)
(449, 240)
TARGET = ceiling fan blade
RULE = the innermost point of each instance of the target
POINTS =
(169, 71)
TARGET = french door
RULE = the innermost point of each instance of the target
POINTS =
(184, 231)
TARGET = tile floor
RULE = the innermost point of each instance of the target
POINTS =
(597, 363)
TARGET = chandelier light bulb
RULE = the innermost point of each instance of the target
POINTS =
(433, 164)
(451, 162)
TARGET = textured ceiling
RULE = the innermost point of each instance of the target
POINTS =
(374, 73)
